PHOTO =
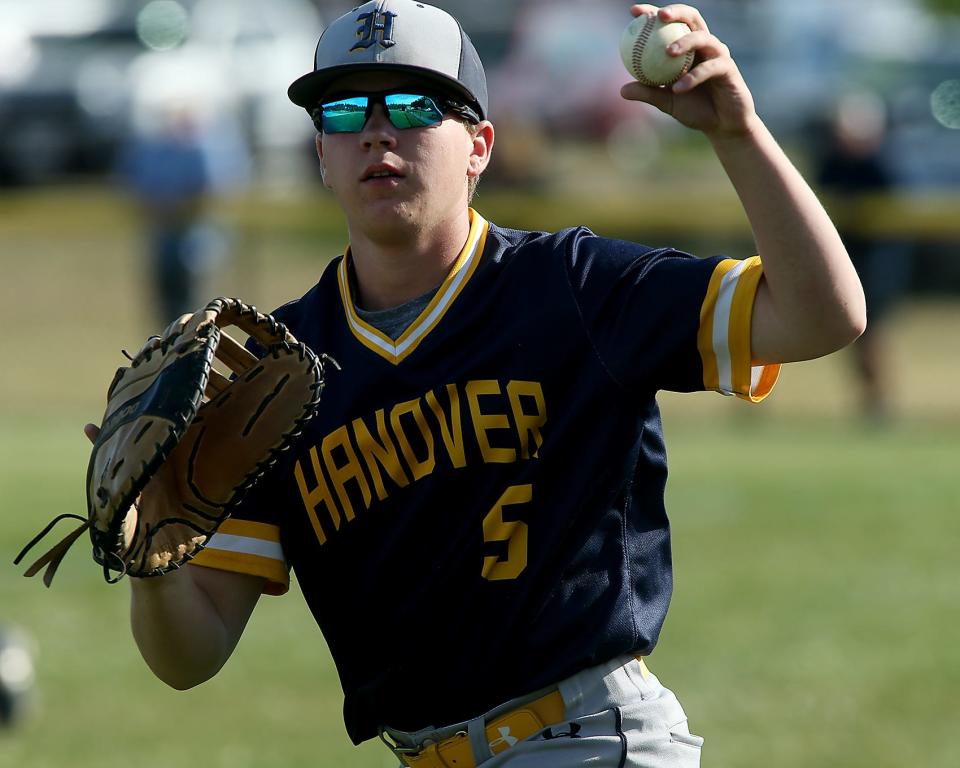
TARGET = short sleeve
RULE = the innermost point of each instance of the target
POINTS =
(663, 319)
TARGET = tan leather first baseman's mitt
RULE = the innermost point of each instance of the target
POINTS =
(190, 438)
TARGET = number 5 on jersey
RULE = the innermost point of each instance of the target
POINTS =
(514, 532)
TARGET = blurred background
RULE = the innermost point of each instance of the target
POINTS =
(149, 160)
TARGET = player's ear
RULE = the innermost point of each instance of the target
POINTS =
(482, 148)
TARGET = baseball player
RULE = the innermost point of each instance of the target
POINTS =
(476, 515)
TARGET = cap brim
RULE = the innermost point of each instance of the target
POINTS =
(307, 91)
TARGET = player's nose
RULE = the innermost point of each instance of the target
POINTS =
(378, 129)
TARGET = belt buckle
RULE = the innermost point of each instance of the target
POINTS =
(429, 752)
(398, 750)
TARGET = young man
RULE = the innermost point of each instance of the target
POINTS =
(476, 514)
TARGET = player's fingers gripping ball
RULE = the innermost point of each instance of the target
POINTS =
(643, 48)
(181, 441)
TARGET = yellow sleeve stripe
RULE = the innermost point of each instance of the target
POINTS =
(278, 579)
(250, 529)
(242, 546)
(725, 327)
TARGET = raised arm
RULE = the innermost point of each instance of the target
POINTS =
(810, 301)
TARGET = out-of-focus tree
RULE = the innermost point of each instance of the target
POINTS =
(943, 6)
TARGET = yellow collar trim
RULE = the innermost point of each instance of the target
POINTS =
(461, 272)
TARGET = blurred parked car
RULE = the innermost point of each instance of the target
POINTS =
(62, 97)
(75, 75)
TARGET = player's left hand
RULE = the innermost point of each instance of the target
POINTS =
(713, 96)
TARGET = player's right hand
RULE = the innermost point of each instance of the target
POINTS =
(713, 96)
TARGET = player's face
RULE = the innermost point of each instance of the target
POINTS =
(388, 179)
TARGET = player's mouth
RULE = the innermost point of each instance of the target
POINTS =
(381, 174)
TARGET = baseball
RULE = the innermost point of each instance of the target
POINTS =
(643, 48)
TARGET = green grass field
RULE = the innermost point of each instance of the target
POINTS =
(815, 619)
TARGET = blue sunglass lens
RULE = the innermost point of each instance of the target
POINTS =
(345, 115)
(407, 110)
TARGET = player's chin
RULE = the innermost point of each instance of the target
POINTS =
(386, 212)
(383, 201)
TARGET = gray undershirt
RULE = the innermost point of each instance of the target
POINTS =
(394, 321)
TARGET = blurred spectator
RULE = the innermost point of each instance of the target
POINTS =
(173, 167)
(16, 676)
(851, 170)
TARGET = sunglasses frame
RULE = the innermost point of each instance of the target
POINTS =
(443, 105)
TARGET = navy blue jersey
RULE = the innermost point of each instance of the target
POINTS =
(477, 510)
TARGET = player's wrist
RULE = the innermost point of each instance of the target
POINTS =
(747, 134)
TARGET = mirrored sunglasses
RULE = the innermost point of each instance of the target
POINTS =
(348, 114)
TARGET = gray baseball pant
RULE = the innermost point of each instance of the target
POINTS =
(616, 715)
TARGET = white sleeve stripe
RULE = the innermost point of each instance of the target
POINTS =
(721, 327)
(246, 545)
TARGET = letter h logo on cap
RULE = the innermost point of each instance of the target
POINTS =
(375, 27)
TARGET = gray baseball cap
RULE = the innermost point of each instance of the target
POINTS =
(402, 35)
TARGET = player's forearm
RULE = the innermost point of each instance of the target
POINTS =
(813, 289)
(179, 633)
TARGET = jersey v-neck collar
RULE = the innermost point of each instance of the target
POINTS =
(395, 351)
